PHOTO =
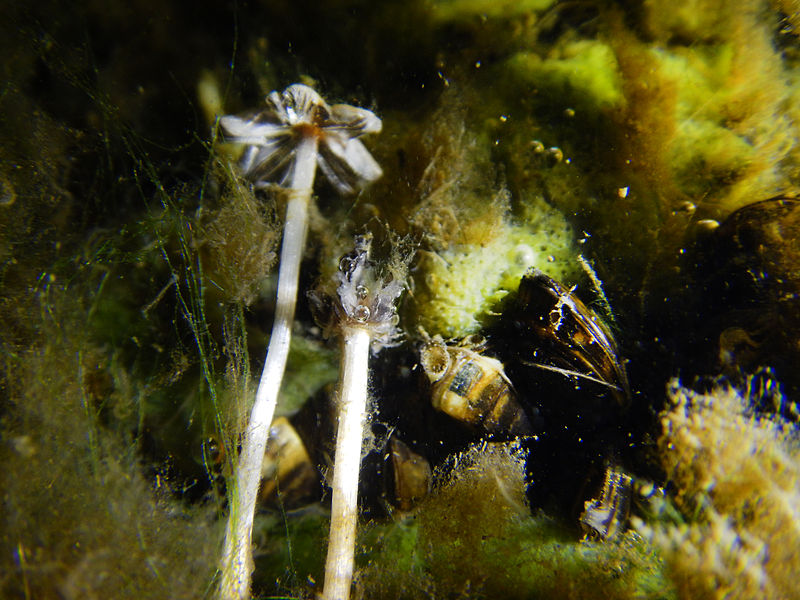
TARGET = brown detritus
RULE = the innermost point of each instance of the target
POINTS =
(459, 201)
(238, 241)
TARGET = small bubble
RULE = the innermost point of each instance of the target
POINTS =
(361, 313)
(556, 154)
(362, 292)
(537, 147)
(346, 264)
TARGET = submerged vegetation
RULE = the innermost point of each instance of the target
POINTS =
(737, 473)
(645, 160)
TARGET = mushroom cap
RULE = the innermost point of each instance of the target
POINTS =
(272, 136)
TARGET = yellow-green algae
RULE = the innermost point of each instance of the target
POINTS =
(660, 129)
(582, 73)
(465, 282)
(475, 537)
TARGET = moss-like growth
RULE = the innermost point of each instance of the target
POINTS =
(475, 538)
(580, 74)
(239, 241)
(738, 474)
(80, 519)
(732, 134)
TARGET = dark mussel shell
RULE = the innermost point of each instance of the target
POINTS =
(746, 292)
(563, 333)
(565, 364)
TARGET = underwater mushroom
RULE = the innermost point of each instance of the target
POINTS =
(363, 314)
(285, 143)
(297, 132)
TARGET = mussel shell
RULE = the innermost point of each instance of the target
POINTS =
(289, 477)
(567, 369)
(407, 475)
(559, 330)
(753, 257)
(747, 286)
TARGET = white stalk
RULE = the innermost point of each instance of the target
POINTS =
(237, 560)
(344, 507)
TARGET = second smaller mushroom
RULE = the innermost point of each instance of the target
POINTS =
(363, 314)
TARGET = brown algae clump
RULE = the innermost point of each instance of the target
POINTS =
(238, 242)
(740, 474)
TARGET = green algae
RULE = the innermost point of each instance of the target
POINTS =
(464, 283)
(509, 553)
(473, 537)
(582, 74)
(310, 367)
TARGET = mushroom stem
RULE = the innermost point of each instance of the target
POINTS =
(237, 562)
(344, 507)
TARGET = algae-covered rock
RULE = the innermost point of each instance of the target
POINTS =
(465, 282)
